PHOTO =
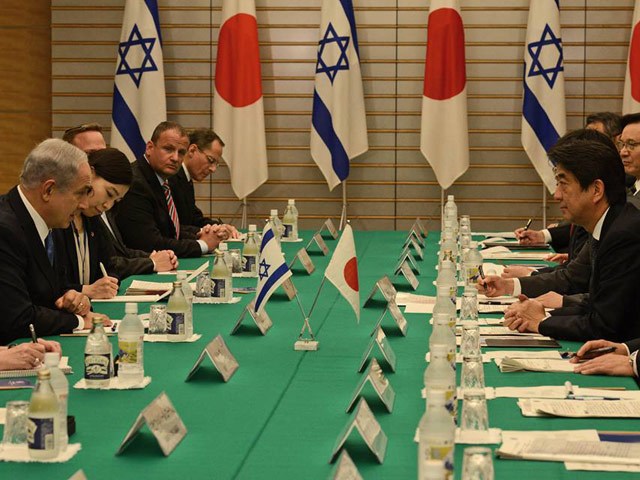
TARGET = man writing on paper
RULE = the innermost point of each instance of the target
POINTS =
(147, 217)
(591, 192)
(54, 184)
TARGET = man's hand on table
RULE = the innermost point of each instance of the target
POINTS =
(524, 315)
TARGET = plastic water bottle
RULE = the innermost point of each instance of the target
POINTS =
(436, 433)
(451, 213)
(472, 264)
(250, 254)
(442, 334)
(188, 296)
(131, 346)
(60, 386)
(43, 419)
(276, 224)
(444, 306)
(221, 290)
(449, 242)
(439, 375)
(98, 356)
(290, 221)
(447, 278)
(177, 309)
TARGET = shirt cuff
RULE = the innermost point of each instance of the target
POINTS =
(547, 235)
(80, 323)
(517, 288)
(634, 363)
(154, 264)
(626, 347)
(203, 246)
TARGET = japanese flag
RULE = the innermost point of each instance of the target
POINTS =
(342, 270)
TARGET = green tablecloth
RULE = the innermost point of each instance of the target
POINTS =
(281, 413)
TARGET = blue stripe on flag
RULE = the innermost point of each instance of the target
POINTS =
(127, 125)
(152, 5)
(323, 124)
(275, 276)
(265, 239)
(535, 114)
(347, 6)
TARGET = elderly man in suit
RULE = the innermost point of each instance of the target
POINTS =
(54, 184)
(591, 192)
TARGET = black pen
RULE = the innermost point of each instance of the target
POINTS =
(481, 271)
(526, 227)
(34, 339)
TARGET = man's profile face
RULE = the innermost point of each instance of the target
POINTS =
(89, 141)
(630, 152)
(166, 154)
(575, 203)
(65, 203)
(204, 161)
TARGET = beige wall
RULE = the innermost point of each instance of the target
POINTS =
(392, 183)
(25, 82)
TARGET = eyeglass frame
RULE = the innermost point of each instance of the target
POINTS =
(629, 146)
(212, 161)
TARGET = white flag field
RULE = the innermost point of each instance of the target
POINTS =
(272, 269)
(342, 270)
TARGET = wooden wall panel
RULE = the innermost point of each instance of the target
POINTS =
(500, 188)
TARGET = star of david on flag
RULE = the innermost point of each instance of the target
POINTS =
(139, 102)
(339, 121)
(272, 269)
(543, 103)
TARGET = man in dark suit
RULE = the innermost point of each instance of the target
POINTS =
(592, 194)
(623, 361)
(54, 184)
(629, 146)
(202, 158)
(124, 261)
(148, 218)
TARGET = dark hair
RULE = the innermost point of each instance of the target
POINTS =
(164, 126)
(591, 156)
(630, 119)
(112, 165)
(612, 122)
(70, 133)
(204, 137)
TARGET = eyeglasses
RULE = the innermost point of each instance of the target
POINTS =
(210, 159)
(629, 144)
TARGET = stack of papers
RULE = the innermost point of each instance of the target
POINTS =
(580, 408)
(508, 365)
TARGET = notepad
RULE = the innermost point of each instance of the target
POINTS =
(64, 366)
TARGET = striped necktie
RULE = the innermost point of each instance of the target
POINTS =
(172, 207)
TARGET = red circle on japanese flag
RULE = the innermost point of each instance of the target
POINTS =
(444, 71)
(238, 62)
(351, 274)
(634, 63)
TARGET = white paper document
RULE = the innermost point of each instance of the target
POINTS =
(551, 391)
(508, 365)
(587, 408)
(602, 467)
(495, 234)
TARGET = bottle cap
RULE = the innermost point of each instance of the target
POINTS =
(97, 320)
(177, 285)
(292, 201)
(450, 198)
(44, 374)
(252, 228)
(274, 212)
(181, 275)
(52, 359)
(223, 247)
(130, 307)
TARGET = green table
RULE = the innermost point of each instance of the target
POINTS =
(280, 415)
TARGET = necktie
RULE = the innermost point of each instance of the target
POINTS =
(593, 244)
(49, 245)
(172, 207)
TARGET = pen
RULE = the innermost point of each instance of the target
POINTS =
(481, 271)
(104, 270)
(34, 339)
(526, 227)
(586, 397)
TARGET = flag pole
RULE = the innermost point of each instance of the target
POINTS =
(442, 209)
(244, 213)
(544, 205)
(315, 300)
(343, 215)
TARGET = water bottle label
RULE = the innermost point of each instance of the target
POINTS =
(130, 352)
(97, 366)
(451, 402)
(288, 230)
(219, 287)
(473, 272)
(444, 453)
(40, 433)
(249, 263)
(177, 323)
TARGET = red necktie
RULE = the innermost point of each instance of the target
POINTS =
(172, 207)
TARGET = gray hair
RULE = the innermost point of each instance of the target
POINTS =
(52, 159)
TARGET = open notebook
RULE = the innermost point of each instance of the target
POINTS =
(64, 366)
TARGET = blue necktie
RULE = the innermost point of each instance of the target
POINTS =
(49, 245)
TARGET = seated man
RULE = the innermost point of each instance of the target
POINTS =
(591, 192)
(54, 184)
(623, 361)
(147, 217)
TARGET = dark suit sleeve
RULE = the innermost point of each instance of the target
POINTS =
(565, 281)
(560, 236)
(18, 309)
(137, 223)
(612, 313)
(633, 344)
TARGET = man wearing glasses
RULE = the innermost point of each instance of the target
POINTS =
(202, 158)
(629, 147)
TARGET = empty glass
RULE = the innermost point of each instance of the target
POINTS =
(477, 464)
(472, 375)
(15, 427)
(203, 285)
(470, 343)
(469, 304)
(158, 319)
(474, 410)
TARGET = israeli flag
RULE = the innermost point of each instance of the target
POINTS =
(339, 121)
(139, 102)
(543, 103)
(272, 269)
